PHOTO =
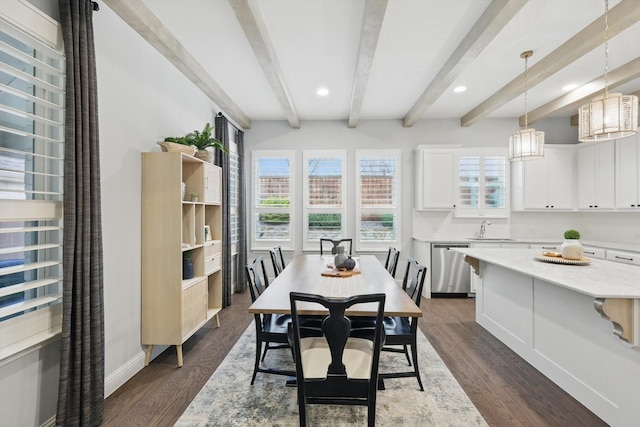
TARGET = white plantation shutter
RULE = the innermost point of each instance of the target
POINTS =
(378, 208)
(273, 220)
(482, 183)
(324, 174)
(31, 184)
(233, 191)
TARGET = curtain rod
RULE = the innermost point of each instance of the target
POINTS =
(229, 121)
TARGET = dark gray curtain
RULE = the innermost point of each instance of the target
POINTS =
(81, 384)
(241, 260)
(222, 160)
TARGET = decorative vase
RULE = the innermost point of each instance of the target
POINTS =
(349, 263)
(571, 249)
(183, 188)
(187, 268)
(340, 257)
(205, 155)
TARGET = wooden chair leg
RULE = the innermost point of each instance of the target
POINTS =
(406, 353)
(414, 355)
(257, 362)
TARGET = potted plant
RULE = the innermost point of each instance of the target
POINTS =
(571, 248)
(198, 142)
(194, 197)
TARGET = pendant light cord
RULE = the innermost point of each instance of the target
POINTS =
(526, 121)
(606, 48)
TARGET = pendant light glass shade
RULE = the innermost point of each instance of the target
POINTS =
(612, 116)
(528, 143)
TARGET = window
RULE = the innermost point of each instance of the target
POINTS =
(324, 207)
(378, 204)
(31, 185)
(273, 209)
(482, 188)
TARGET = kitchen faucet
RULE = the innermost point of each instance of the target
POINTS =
(483, 228)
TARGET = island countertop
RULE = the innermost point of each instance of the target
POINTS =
(599, 279)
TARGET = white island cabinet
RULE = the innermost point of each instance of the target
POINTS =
(577, 324)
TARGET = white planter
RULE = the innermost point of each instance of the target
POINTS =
(571, 249)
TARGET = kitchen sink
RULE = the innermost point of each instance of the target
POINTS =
(491, 239)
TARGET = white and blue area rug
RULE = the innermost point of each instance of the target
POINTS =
(228, 399)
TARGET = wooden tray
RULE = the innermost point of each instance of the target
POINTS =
(560, 260)
(340, 273)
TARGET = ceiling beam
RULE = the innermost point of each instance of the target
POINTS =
(374, 11)
(583, 94)
(139, 17)
(491, 22)
(574, 119)
(622, 16)
(250, 19)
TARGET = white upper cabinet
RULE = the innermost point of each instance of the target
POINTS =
(545, 184)
(628, 173)
(437, 182)
(596, 175)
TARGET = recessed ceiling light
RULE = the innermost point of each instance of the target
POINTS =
(570, 86)
(323, 91)
(459, 89)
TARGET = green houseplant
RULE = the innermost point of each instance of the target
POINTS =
(572, 234)
(571, 248)
(201, 140)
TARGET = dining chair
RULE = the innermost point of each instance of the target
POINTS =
(401, 332)
(391, 263)
(277, 260)
(335, 368)
(335, 243)
(271, 329)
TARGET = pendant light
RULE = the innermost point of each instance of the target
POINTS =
(526, 144)
(612, 115)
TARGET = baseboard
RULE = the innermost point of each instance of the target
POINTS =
(50, 422)
(123, 374)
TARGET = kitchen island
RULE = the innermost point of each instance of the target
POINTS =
(577, 324)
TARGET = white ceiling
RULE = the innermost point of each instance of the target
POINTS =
(307, 44)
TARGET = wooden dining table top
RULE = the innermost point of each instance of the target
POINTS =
(304, 274)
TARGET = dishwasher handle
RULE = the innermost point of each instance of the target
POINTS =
(444, 246)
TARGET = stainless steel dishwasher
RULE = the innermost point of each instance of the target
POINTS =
(450, 274)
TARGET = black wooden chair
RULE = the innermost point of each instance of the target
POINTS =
(335, 243)
(271, 329)
(277, 260)
(391, 263)
(401, 332)
(334, 368)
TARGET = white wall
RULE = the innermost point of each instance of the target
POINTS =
(142, 99)
(391, 134)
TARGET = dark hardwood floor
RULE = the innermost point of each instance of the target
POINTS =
(506, 390)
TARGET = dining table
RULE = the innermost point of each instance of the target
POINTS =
(315, 274)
